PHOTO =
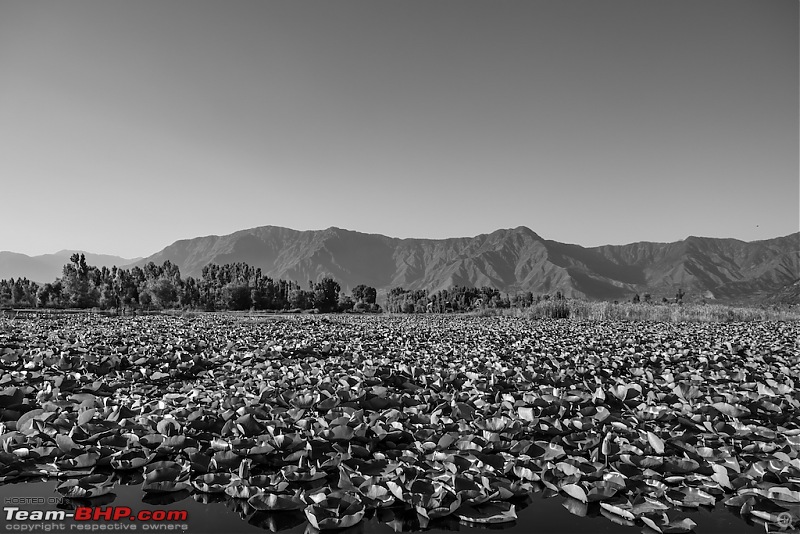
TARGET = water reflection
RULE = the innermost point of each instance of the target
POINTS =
(277, 521)
(165, 499)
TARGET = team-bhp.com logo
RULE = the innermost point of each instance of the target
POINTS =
(119, 513)
(87, 518)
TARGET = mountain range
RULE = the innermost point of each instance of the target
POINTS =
(48, 267)
(510, 260)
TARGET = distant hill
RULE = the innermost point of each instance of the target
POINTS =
(47, 267)
(788, 294)
(510, 260)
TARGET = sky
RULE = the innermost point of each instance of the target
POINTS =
(125, 126)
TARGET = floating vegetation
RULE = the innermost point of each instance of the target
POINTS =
(336, 510)
(333, 419)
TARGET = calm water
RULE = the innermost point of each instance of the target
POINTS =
(536, 514)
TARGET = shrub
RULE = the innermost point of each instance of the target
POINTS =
(559, 310)
(581, 310)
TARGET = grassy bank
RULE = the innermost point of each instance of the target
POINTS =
(670, 313)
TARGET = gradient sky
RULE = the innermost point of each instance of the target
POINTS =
(127, 125)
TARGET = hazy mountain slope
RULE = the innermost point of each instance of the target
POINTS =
(510, 259)
(788, 294)
(48, 267)
(728, 268)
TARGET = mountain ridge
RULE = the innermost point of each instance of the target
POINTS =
(512, 259)
(509, 259)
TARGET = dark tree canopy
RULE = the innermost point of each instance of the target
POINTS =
(234, 286)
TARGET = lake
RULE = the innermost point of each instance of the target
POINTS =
(536, 514)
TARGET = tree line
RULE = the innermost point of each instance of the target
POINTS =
(234, 286)
(459, 299)
(239, 286)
